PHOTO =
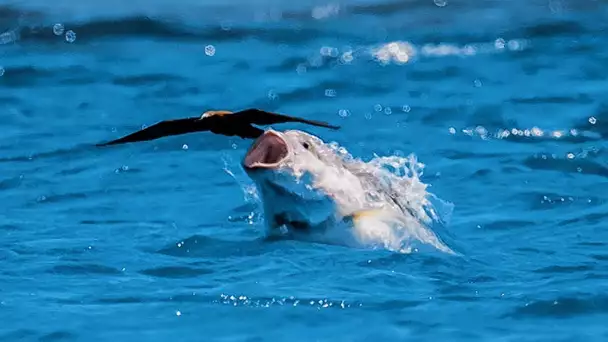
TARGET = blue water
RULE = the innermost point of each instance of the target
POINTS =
(503, 102)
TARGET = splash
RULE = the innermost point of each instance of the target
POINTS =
(409, 210)
(400, 211)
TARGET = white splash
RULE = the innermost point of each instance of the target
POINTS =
(324, 180)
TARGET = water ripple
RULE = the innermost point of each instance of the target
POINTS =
(85, 269)
(175, 272)
(563, 307)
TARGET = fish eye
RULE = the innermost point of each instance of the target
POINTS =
(306, 146)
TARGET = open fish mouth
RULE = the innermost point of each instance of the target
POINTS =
(268, 151)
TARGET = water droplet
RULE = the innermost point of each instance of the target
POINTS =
(592, 120)
(344, 113)
(272, 95)
(347, 57)
(330, 92)
(58, 29)
(209, 50)
(440, 3)
(70, 36)
(185, 147)
(226, 26)
(328, 51)
(537, 132)
(499, 44)
(301, 69)
(514, 45)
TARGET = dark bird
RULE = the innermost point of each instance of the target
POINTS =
(218, 122)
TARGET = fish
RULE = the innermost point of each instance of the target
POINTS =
(316, 191)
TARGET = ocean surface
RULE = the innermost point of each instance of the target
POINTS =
(503, 102)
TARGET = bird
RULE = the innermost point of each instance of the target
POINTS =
(222, 122)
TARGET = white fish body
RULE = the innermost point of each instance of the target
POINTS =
(316, 191)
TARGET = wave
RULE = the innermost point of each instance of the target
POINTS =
(157, 28)
(196, 22)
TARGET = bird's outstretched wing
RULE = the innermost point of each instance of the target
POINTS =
(218, 122)
(260, 117)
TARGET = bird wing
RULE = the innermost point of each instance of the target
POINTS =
(219, 122)
(260, 117)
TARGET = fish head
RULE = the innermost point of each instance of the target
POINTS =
(285, 166)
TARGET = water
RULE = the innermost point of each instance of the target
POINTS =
(503, 102)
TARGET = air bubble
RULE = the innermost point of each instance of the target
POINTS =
(70, 36)
(209, 50)
(406, 108)
(592, 120)
(477, 83)
(388, 111)
(440, 3)
(378, 108)
(570, 155)
(58, 29)
(452, 130)
(1, 71)
(185, 147)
